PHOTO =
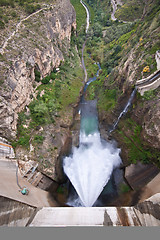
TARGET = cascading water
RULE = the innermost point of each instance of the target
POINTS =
(125, 110)
(91, 164)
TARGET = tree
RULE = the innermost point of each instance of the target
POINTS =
(97, 29)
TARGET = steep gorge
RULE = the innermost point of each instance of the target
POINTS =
(58, 133)
(46, 41)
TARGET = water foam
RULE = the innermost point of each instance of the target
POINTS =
(90, 166)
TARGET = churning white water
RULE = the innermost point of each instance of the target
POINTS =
(90, 166)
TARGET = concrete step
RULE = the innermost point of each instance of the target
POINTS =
(69, 216)
(143, 214)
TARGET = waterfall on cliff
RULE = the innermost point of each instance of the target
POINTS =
(91, 164)
(125, 110)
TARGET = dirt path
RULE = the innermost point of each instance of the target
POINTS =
(18, 27)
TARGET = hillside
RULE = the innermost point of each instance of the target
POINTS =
(124, 50)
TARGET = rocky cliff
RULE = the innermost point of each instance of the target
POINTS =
(39, 42)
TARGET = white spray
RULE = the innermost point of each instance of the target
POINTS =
(90, 166)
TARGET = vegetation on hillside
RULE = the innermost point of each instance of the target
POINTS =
(129, 133)
(112, 48)
(110, 43)
(80, 14)
(137, 9)
(131, 10)
(57, 92)
(10, 10)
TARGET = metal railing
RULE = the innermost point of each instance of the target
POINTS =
(6, 150)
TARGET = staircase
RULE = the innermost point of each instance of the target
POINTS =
(32, 175)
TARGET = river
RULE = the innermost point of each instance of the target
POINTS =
(93, 167)
(90, 165)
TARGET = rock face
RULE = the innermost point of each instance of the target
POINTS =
(138, 175)
(149, 118)
(151, 129)
(40, 43)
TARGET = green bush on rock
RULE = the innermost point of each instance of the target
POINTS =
(39, 112)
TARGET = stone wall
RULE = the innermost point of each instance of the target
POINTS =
(14, 213)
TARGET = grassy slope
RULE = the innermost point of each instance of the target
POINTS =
(80, 14)
(130, 10)
(11, 11)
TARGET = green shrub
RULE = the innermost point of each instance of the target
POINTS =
(22, 117)
(7, 3)
(124, 188)
(30, 8)
(154, 48)
(2, 24)
(149, 95)
(52, 76)
(46, 80)
(13, 14)
(38, 139)
(24, 141)
(39, 111)
(37, 75)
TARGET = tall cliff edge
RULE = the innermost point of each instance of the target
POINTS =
(39, 42)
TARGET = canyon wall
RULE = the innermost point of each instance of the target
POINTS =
(40, 43)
